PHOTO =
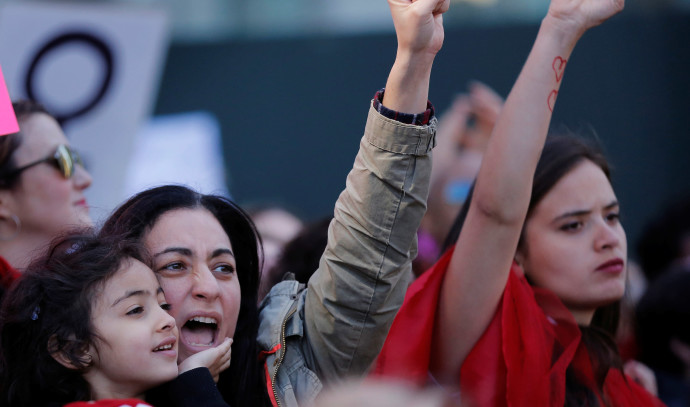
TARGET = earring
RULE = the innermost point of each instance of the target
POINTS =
(17, 228)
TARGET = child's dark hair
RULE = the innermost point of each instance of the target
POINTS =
(48, 312)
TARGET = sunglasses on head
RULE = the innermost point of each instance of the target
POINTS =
(64, 159)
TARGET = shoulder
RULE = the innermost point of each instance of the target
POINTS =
(283, 308)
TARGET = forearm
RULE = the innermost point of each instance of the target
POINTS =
(504, 182)
(407, 87)
(419, 32)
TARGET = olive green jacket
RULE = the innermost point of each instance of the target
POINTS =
(335, 327)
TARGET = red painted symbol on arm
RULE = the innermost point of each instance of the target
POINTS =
(551, 101)
(558, 66)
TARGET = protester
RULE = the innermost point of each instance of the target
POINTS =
(42, 183)
(205, 248)
(522, 310)
(88, 322)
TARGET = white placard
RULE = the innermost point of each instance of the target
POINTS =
(97, 66)
(181, 149)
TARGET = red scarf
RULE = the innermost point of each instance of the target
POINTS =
(521, 358)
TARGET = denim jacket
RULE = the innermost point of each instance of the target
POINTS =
(335, 326)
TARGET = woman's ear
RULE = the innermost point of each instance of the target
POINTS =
(10, 224)
(519, 260)
(62, 358)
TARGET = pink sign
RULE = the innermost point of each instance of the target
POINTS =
(8, 121)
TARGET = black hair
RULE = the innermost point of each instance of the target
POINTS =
(302, 254)
(48, 311)
(560, 155)
(243, 382)
(23, 109)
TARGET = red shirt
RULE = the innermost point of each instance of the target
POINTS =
(109, 403)
(521, 358)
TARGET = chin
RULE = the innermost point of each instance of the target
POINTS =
(84, 219)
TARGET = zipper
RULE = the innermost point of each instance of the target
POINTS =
(282, 355)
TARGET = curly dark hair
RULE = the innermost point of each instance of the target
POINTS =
(48, 311)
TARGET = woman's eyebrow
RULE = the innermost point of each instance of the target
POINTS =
(181, 250)
(219, 252)
(582, 212)
(612, 205)
(575, 213)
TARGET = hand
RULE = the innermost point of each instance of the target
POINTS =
(452, 125)
(419, 24)
(482, 106)
(215, 359)
(486, 105)
(643, 375)
(583, 14)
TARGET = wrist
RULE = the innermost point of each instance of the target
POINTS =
(564, 31)
(415, 60)
(407, 88)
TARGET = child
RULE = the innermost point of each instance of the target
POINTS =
(88, 322)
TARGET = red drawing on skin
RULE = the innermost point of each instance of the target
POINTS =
(558, 66)
(552, 99)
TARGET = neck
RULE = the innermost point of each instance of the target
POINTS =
(19, 252)
(582, 317)
(108, 391)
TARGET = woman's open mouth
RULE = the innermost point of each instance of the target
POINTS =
(199, 331)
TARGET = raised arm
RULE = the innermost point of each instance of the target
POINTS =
(419, 29)
(353, 297)
(480, 265)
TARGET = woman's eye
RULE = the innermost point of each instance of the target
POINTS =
(135, 310)
(571, 226)
(177, 265)
(613, 217)
(224, 268)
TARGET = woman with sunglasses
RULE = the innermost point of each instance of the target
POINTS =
(42, 185)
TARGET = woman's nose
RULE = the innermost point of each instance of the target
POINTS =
(608, 236)
(205, 284)
(81, 177)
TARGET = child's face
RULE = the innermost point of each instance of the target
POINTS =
(138, 345)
